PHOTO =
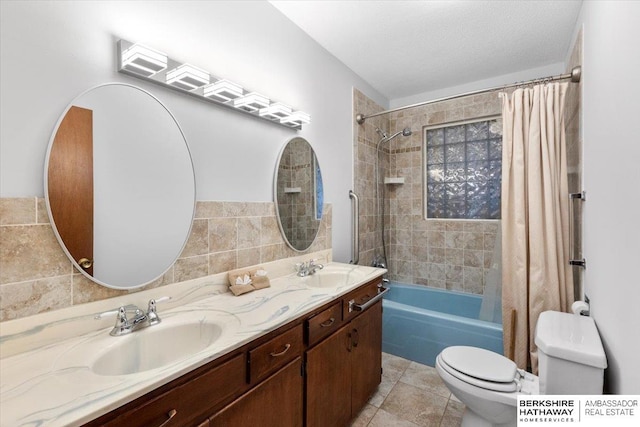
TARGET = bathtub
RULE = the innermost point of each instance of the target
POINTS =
(418, 322)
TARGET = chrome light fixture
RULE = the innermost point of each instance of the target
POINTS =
(223, 91)
(297, 118)
(251, 102)
(144, 60)
(276, 111)
(154, 66)
(187, 77)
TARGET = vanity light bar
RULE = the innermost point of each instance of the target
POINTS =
(154, 66)
(188, 77)
(223, 91)
(144, 60)
(275, 111)
(251, 102)
(297, 118)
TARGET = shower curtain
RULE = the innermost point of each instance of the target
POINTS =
(535, 230)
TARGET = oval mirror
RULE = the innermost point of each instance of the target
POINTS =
(298, 194)
(119, 186)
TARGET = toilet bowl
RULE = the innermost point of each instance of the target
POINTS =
(571, 361)
(486, 382)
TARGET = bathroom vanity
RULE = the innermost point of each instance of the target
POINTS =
(298, 353)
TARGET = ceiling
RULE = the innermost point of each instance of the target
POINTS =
(404, 48)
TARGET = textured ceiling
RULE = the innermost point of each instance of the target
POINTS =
(404, 48)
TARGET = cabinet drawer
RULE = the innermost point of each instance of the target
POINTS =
(275, 353)
(185, 404)
(323, 323)
(360, 296)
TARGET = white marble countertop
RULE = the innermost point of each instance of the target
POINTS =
(53, 384)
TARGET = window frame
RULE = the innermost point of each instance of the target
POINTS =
(425, 195)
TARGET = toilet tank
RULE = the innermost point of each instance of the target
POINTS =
(571, 358)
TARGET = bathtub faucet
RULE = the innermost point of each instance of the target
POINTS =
(308, 268)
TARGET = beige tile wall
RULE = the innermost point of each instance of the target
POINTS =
(451, 254)
(36, 276)
(364, 149)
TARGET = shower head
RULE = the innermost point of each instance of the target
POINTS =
(404, 132)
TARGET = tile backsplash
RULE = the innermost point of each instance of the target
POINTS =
(36, 276)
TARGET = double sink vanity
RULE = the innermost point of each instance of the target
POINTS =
(305, 351)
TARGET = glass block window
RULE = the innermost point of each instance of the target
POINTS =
(463, 170)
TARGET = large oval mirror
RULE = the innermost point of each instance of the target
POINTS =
(298, 194)
(119, 186)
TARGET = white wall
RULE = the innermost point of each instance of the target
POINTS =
(53, 51)
(610, 112)
(497, 81)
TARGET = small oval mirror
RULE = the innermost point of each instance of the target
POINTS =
(298, 194)
(119, 186)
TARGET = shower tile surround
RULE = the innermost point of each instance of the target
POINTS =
(451, 254)
(36, 276)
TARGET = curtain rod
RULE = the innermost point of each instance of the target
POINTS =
(574, 75)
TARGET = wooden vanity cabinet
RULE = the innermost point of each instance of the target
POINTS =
(344, 370)
(182, 403)
(317, 370)
(366, 356)
(276, 402)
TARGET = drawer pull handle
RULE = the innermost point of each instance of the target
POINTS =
(172, 413)
(328, 322)
(286, 348)
(360, 307)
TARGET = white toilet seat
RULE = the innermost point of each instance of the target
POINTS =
(481, 368)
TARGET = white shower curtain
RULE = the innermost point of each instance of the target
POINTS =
(535, 202)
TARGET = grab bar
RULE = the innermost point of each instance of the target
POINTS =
(355, 238)
(582, 196)
(361, 307)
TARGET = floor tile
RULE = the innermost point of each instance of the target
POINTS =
(386, 419)
(426, 378)
(453, 414)
(394, 366)
(363, 418)
(415, 404)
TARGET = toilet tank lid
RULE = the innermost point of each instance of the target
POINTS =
(570, 337)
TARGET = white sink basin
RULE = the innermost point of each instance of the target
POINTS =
(335, 276)
(178, 336)
(155, 347)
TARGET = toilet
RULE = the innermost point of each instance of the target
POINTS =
(571, 360)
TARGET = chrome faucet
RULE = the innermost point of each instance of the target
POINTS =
(125, 325)
(308, 268)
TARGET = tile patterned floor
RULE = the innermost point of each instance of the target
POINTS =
(410, 395)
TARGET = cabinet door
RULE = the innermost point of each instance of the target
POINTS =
(328, 379)
(366, 356)
(276, 402)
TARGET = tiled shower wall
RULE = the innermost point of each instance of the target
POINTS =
(451, 254)
(364, 154)
(36, 276)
